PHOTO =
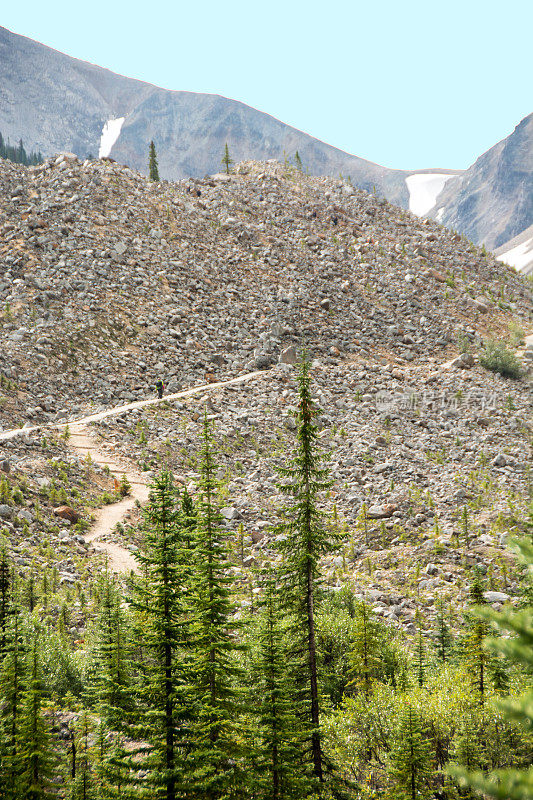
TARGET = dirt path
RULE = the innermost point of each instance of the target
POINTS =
(119, 558)
(113, 412)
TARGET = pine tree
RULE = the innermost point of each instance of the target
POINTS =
(366, 657)
(110, 682)
(214, 752)
(298, 162)
(475, 656)
(410, 757)
(226, 160)
(442, 635)
(188, 517)
(153, 170)
(306, 538)
(280, 773)
(83, 785)
(162, 602)
(13, 683)
(420, 658)
(35, 749)
(509, 784)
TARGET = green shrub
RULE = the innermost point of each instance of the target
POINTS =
(497, 357)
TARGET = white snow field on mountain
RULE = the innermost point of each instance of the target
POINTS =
(518, 252)
(110, 134)
(424, 188)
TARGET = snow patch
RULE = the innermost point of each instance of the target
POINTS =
(520, 256)
(110, 134)
(424, 188)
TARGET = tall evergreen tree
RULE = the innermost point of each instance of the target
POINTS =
(442, 635)
(162, 601)
(306, 539)
(36, 753)
(368, 649)
(13, 683)
(280, 773)
(298, 162)
(226, 159)
(153, 169)
(510, 784)
(410, 758)
(215, 752)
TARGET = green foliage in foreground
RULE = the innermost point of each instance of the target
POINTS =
(497, 357)
(182, 690)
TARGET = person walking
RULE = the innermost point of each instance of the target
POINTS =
(160, 387)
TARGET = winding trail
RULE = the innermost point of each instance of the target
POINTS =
(120, 559)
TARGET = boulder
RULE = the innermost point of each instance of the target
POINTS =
(288, 356)
(496, 597)
(381, 512)
(68, 513)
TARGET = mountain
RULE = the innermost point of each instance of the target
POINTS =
(58, 103)
(518, 252)
(492, 202)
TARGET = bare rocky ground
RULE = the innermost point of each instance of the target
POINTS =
(110, 282)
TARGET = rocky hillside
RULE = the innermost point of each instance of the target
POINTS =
(109, 282)
(58, 103)
(492, 202)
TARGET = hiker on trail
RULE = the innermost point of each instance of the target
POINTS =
(160, 386)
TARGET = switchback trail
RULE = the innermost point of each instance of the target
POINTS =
(119, 558)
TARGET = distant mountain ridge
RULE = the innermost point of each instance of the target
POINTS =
(59, 103)
(492, 202)
(63, 104)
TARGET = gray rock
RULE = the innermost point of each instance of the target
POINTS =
(5, 511)
(288, 356)
(229, 513)
(431, 569)
(496, 597)
(262, 360)
(5, 466)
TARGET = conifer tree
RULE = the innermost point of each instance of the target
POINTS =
(188, 513)
(226, 159)
(307, 538)
(298, 162)
(510, 784)
(13, 682)
(442, 636)
(153, 169)
(279, 769)
(83, 785)
(366, 658)
(162, 601)
(411, 758)
(475, 655)
(215, 753)
(36, 755)
(109, 678)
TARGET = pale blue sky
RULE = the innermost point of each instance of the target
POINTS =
(407, 84)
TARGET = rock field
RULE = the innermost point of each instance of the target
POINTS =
(108, 282)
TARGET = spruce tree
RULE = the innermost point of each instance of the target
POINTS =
(298, 162)
(161, 599)
(306, 539)
(215, 753)
(226, 159)
(13, 683)
(83, 784)
(36, 754)
(280, 773)
(442, 635)
(410, 757)
(153, 169)
(517, 648)
(366, 657)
